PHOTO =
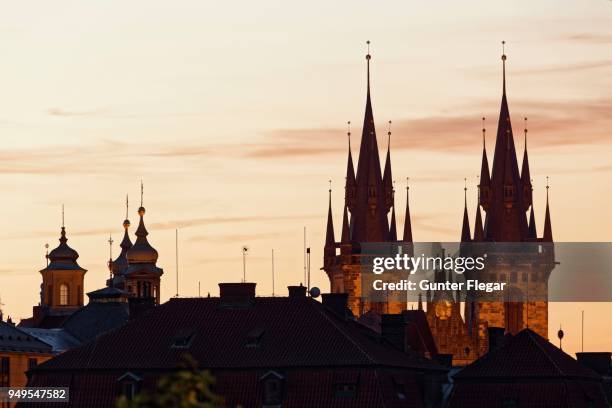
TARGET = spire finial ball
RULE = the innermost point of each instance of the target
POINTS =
(141, 211)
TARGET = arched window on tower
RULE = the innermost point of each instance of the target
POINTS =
(64, 295)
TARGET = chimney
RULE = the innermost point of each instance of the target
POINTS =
(496, 337)
(393, 329)
(139, 306)
(297, 291)
(596, 361)
(337, 303)
(237, 294)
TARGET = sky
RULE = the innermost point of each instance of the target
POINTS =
(234, 116)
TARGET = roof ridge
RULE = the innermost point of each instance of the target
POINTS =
(343, 332)
(535, 340)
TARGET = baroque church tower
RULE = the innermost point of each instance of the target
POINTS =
(368, 200)
(135, 270)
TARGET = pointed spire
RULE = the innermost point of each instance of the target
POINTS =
(387, 176)
(393, 227)
(478, 230)
(466, 235)
(504, 65)
(349, 188)
(547, 223)
(526, 175)
(120, 264)
(141, 252)
(533, 232)
(346, 228)
(485, 177)
(369, 218)
(407, 222)
(330, 239)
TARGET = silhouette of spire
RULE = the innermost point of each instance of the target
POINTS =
(330, 239)
(547, 223)
(478, 230)
(485, 177)
(349, 190)
(407, 222)
(526, 175)
(506, 220)
(346, 232)
(393, 227)
(369, 214)
(120, 264)
(387, 176)
(533, 233)
(504, 65)
(141, 252)
(466, 235)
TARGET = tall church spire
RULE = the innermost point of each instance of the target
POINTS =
(330, 239)
(478, 230)
(350, 184)
(407, 222)
(506, 220)
(387, 175)
(484, 188)
(526, 175)
(369, 214)
(533, 232)
(547, 237)
(466, 235)
(393, 227)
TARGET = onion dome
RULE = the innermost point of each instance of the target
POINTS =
(63, 257)
(119, 265)
(141, 252)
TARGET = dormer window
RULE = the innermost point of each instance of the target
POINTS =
(129, 385)
(273, 387)
(183, 339)
(254, 337)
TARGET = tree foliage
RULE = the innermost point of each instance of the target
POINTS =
(187, 387)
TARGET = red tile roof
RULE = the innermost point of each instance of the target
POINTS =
(527, 371)
(294, 332)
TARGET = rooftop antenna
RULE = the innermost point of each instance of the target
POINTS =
(176, 252)
(304, 253)
(47, 253)
(308, 262)
(245, 249)
(272, 272)
(582, 327)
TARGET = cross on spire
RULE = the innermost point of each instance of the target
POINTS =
(63, 224)
(484, 131)
(127, 206)
(141, 193)
(504, 63)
